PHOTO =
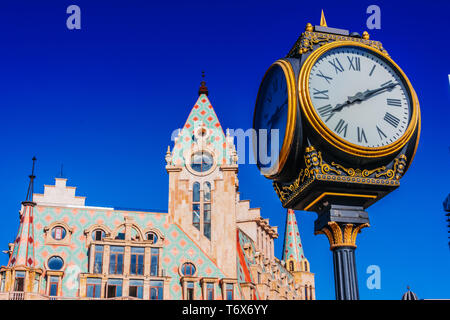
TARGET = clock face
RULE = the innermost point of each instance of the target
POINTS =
(360, 97)
(271, 113)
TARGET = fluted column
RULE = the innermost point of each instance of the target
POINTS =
(341, 225)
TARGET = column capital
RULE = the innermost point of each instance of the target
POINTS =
(341, 224)
(341, 234)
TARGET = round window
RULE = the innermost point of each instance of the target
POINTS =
(201, 161)
(58, 233)
(55, 263)
(188, 269)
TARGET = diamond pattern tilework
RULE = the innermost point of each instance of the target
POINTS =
(178, 247)
(201, 113)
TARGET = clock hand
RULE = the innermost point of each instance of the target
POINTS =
(361, 96)
(276, 115)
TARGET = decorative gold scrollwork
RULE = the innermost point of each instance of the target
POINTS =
(309, 39)
(315, 167)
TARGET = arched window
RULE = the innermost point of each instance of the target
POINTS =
(188, 269)
(291, 265)
(151, 236)
(121, 234)
(306, 266)
(196, 205)
(98, 234)
(207, 210)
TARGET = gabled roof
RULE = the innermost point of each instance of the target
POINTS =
(202, 115)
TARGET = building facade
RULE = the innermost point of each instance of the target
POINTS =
(208, 245)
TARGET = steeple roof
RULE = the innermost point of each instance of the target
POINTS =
(293, 248)
(202, 116)
(24, 246)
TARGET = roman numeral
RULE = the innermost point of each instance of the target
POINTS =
(381, 133)
(320, 74)
(371, 71)
(325, 110)
(361, 135)
(391, 119)
(341, 127)
(320, 94)
(337, 65)
(357, 65)
(394, 102)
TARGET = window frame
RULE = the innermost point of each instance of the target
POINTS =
(97, 287)
(22, 278)
(134, 269)
(116, 255)
(159, 289)
(139, 285)
(63, 234)
(183, 269)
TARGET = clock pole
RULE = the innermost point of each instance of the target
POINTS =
(341, 224)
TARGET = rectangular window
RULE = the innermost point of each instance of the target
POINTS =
(154, 262)
(156, 290)
(210, 291)
(114, 288)
(116, 260)
(229, 291)
(136, 288)
(190, 291)
(207, 220)
(20, 281)
(53, 286)
(93, 287)
(137, 261)
(98, 259)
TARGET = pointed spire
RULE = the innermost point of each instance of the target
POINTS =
(323, 22)
(30, 191)
(24, 247)
(293, 249)
(203, 88)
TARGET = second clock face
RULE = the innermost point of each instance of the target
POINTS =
(360, 97)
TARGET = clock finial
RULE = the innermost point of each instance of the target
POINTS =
(323, 22)
(203, 88)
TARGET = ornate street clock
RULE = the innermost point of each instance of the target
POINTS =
(348, 124)
(347, 116)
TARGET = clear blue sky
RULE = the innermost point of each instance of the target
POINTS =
(104, 101)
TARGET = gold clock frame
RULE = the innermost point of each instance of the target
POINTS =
(291, 118)
(331, 137)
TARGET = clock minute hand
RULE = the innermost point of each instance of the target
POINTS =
(361, 96)
(276, 114)
(368, 93)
